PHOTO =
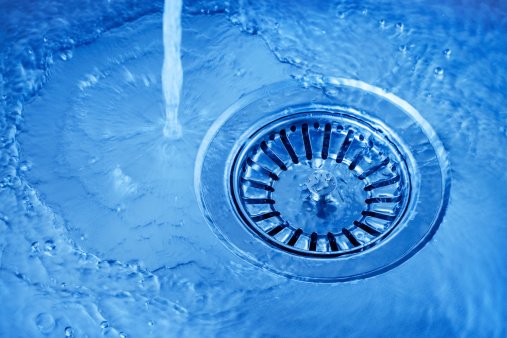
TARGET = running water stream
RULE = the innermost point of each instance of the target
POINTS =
(172, 72)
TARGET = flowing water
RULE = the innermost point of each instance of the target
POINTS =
(101, 233)
(172, 73)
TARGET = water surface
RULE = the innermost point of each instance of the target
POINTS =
(101, 231)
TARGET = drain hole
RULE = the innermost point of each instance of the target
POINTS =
(306, 139)
(350, 237)
(374, 169)
(327, 138)
(356, 160)
(261, 169)
(258, 185)
(258, 201)
(288, 146)
(276, 229)
(295, 237)
(272, 156)
(382, 183)
(262, 217)
(367, 228)
(332, 242)
(313, 241)
(345, 146)
(379, 215)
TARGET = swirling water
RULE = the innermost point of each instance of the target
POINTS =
(101, 232)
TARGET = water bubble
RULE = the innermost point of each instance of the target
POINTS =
(104, 324)
(240, 72)
(35, 246)
(439, 72)
(45, 322)
(178, 224)
(297, 60)
(67, 55)
(400, 26)
(151, 323)
(49, 246)
(331, 92)
(447, 52)
(4, 218)
(382, 23)
(364, 12)
(123, 335)
(69, 332)
(403, 49)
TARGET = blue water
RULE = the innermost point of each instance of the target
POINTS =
(101, 233)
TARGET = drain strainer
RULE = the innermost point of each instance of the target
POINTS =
(321, 184)
(323, 187)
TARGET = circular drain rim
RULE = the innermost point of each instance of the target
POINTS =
(425, 154)
(341, 146)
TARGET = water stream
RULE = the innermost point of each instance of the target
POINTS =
(172, 71)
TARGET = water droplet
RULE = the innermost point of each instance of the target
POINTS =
(123, 335)
(403, 49)
(35, 246)
(45, 322)
(67, 55)
(151, 323)
(178, 224)
(400, 26)
(447, 52)
(104, 324)
(365, 11)
(69, 332)
(49, 246)
(439, 72)
(240, 72)
(382, 23)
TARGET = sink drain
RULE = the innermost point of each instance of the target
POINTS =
(320, 184)
(322, 187)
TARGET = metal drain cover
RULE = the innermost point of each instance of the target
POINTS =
(322, 187)
(320, 184)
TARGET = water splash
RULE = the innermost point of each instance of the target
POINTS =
(172, 72)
